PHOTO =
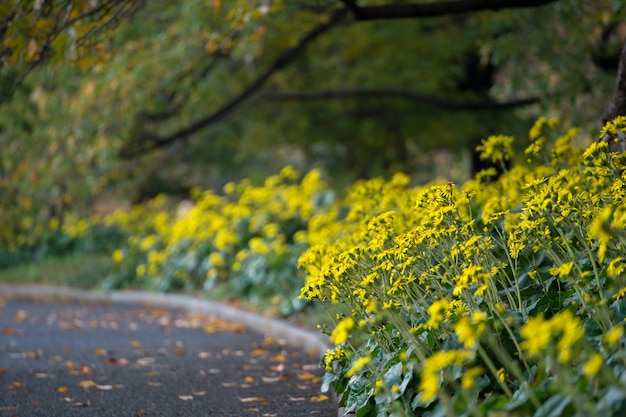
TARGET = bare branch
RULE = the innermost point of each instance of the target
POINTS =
(440, 8)
(148, 142)
(403, 94)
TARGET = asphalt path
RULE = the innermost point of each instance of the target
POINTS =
(85, 358)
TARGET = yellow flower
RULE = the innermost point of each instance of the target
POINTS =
(563, 270)
(536, 335)
(342, 331)
(468, 333)
(613, 336)
(436, 311)
(469, 376)
(593, 365)
(118, 256)
(501, 374)
(430, 376)
(496, 148)
(359, 364)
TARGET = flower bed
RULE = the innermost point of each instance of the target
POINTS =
(501, 295)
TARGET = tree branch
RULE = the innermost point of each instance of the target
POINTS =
(398, 93)
(439, 8)
(148, 142)
(617, 105)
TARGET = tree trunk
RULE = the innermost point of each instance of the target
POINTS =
(617, 105)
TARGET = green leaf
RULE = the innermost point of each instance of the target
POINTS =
(555, 406)
(613, 402)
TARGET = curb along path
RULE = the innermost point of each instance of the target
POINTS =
(70, 353)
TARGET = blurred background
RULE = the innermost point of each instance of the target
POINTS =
(104, 105)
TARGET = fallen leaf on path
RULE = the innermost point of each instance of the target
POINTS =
(248, 380)
(9, 331)
(145, 361)
(278, 358)
(17, 384)
(81, 404)
(186, 397)
(199, 393)
(20, 316)
(62, 390)
(180, 352)
(307, 376)
(101, 352)
(296, 399)
(66, 400)
(154, 384)
(319, 398)
(258, 352)
(3, 371)
(203, 355)
(135, 343)
(109, 387)
(253, 400)
(8, 408)
(271, 379)
(87, 384)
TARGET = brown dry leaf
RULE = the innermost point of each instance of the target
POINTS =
(66, 400)
(17, 384)
(248, 380)
(101, 352)
(3, 371)
(307, 375)
(271, 379)
(8, 408)
(20, 316)
(135, 343)
(62, 390)
(180, 352)
(148, 361)
(9, 331)
(186, 397)
(279, 357)
(277, 368)
(318, 398)
(253, 400)
(81, 404)
(87, 384)
(85, 370)
(154, 384)
(258, 352)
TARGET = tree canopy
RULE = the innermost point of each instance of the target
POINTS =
(215, 86)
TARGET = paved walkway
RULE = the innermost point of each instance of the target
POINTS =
(81, 357)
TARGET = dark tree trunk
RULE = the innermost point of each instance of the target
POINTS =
(617, 105)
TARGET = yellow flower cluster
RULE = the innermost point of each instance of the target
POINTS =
(427, 269)
(246, 235)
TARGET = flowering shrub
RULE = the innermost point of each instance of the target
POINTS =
(249, 238)
(498, 295)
